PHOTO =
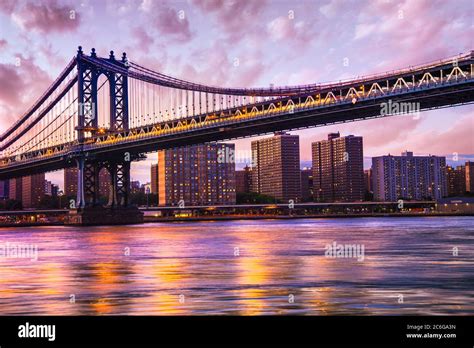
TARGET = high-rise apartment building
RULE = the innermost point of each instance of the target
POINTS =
(338, 169)
(70, 182)
(276, 170)
(456, 180)
(15, 189)
(409, 177)
(196, 175)
(469, 176)
(33, 190)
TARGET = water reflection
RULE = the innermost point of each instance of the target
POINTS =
(243, 268)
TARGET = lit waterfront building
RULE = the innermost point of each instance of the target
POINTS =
(469, 176)
(15, 189)
(456, 180)
(338, 169)
(33, 190)
(196, 175)
(276, 170)
(30, 190)
(409, 177)
(70, 181)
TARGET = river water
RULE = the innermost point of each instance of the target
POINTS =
(413, 265)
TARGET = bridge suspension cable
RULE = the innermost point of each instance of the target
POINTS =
(70, 66)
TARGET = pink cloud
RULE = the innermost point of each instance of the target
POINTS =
(291, 32)
(169, 22)
(455, 139)
(3, 43)
(411, 32)
(12, 84)
(233, 17)
(7, 6)
(20, 86)
(47, 17)
(143, 40)
(222, 70)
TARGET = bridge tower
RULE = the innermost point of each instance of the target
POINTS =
(90, 68)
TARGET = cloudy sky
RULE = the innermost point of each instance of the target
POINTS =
(275, 42)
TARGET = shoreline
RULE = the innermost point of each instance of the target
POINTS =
(152, 219)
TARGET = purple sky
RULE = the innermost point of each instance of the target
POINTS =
(274, 42)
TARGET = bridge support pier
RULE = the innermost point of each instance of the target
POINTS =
(88, 210)
(98, 215)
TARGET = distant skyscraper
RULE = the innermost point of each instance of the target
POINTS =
(154, 178)
(196, 175)
(145, 188)
(470, 177)
(409, 177)
(47, 188)
(307, 184)
(54, 190)
(243, 179)
(135, 186)
(338, 169)
(276, 170)
(33, 190)
(456, 180)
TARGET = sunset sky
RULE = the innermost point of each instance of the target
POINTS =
(275, 42)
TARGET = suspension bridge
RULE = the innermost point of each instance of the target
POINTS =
(105, 112)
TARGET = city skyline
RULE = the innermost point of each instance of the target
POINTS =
(173, 44)
(142, 174)
(205, 174)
